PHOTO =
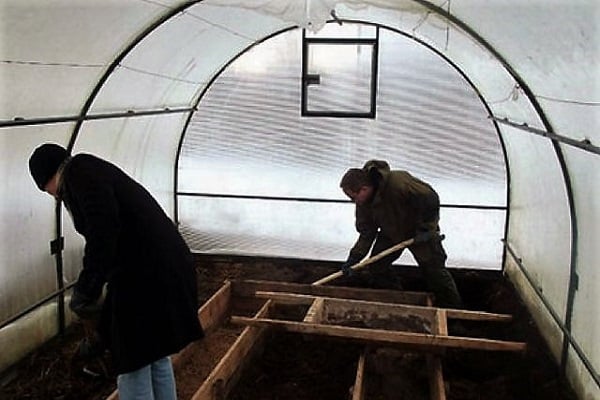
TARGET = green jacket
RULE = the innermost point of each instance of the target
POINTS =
(400, 205)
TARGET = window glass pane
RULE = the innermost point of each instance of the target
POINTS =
(345, 72)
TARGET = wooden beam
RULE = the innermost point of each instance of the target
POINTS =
(437, 390)
(222, 378)
(359, 389)
(247, 288)
(213, 311)
(441, 322)
(288, 298)
(294, 298)
(477, 315)
(421, 341)
(315, 312)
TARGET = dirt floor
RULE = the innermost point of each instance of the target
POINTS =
(294, 367)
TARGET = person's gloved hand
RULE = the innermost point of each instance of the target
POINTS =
(84, 306)
(346, 266)
(424, 234)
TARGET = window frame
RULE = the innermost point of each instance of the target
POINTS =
(309, 79)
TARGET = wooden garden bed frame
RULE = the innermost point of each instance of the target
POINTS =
(324, 302)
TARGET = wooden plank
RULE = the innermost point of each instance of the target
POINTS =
(359, 390)
(222, 378)
(441, 320)
(247, 288)
(422, 341)
(288, 298)
(315, 312)
(477, 315)
(213, 311)
(210, 315)
(294, 298)
(371, 314)
(437, 390)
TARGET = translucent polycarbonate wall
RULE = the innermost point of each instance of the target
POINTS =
(533, 62)
(533, 204)
(53, 53)
(137, 145)
(552, 45)
(248, 139)
(585, 169)
(173, 63)
(27, 269)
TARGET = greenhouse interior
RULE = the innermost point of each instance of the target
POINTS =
(240, 117)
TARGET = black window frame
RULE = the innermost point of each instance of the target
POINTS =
(308, 79)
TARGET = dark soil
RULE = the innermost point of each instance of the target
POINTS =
(296, 367)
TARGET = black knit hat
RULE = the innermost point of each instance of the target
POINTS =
(44, 163)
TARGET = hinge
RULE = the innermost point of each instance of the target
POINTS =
(575, 281)
(57, 245)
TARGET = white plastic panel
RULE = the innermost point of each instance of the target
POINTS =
(552, 46)
(584, 385)
(575, 120)
(585, 178)
(176, 61)
(59, 49)
(543, 319)
(27, 270)
(28, 333)
(267, 227)
(137, 145)
(49, 83)
(540, 227)
(322, 231)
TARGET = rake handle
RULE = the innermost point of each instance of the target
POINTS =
(364, 263)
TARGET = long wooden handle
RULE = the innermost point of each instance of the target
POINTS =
(364, 263)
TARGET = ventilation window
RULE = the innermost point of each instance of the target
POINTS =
(339, 71)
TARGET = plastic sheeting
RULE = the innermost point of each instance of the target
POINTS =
(533, 62)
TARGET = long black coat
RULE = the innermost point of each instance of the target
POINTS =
(150, 309)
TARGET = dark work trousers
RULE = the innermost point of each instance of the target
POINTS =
(431, 258)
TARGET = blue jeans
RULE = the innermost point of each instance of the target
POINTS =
(153, 382)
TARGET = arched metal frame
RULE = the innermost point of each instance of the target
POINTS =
(354, 21)
(82, 117)
(561, 159)
(436, 9)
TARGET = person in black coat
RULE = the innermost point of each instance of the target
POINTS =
(150, 307)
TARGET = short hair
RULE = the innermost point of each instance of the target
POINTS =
(354, 179)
